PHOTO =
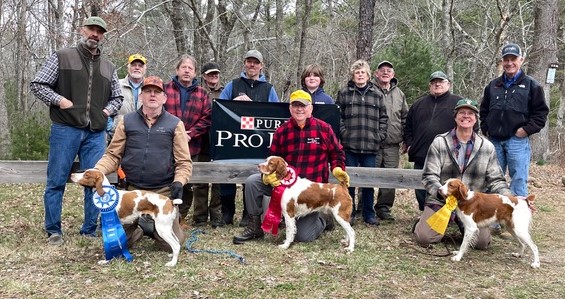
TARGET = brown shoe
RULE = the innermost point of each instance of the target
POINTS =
(135, 237)
(184, 225)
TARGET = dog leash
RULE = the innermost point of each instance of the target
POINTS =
(194, 237)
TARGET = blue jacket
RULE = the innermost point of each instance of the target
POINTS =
(320, 96)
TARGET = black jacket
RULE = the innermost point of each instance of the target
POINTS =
(428, 117)
(505, 110)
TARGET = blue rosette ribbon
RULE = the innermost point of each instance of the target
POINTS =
(113, 234)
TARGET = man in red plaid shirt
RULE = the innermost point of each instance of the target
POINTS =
(311, 147)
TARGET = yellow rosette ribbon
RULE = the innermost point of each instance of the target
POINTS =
(440, 219)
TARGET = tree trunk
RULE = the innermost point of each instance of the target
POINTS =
(544, 52)
(304, 23)
(446, 37)
(365, 29)
(174, 10)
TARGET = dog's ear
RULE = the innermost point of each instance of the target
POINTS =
(99, 180)
(462, 189)
(280, 168)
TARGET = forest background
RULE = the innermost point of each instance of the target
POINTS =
(462, 38)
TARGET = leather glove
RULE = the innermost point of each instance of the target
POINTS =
(176, 190)
(341, 175)
(271, 179)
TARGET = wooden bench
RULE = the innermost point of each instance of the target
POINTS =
(229, 173)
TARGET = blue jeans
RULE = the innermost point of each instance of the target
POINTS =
(65, 143)
(514, 154)
(367, 194)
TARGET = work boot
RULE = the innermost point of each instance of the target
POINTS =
(252, 231)
(228, 208)
(244, 218)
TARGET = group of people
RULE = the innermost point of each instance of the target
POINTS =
(157, 129)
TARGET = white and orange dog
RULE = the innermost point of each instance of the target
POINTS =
(305, 197)
(133, 204)
(477, 210)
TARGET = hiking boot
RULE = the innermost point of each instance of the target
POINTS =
(217, 223)
(329, 219)
(385, 215)
(135, 237)
(55, 239)
(228, 209)
(252, 231)
(373, 221)
(244, 219)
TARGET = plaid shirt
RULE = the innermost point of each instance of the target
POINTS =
(197, 114)
(310, 150)
(46, 79)
(482, 172)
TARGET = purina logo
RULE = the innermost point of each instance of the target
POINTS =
(261, 123)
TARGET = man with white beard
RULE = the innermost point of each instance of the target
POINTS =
(131, 87)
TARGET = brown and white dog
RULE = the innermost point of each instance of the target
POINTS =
(477, 210)
(133, 204)
(305, 197)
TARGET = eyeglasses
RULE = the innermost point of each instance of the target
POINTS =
(439, 81)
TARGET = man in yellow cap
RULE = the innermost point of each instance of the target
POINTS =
(310, 146)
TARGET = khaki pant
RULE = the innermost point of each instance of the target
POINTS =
(425, 235)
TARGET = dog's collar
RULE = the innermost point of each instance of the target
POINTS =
(290, 177)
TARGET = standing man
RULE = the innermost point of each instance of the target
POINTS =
(513, 108)
(312, 160)
(82, 90)
(189, 102)
(388, 155)
(363, 128)
(202, 208)
(252, 85)
(131, 87)
(151, 146)
(430, 115)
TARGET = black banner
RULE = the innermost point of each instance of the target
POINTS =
(244, 130)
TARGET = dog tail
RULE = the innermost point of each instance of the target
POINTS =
(177, 201)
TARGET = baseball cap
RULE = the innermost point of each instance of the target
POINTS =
(254, 54)
(467, 103)
(96, 21)
(153, 81)
(384, 62)
(210, 67)
(511, 49)
(438, 75)
(135, 57)
(301, 96)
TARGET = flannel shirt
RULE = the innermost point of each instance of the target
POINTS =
(310, 150)
(197, 114)
(482, 173)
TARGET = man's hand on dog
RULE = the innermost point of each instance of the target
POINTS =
(271, 179)
(341, 175)
(176, 190)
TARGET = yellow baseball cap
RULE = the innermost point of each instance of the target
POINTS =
(135, 57)
(301, 96)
